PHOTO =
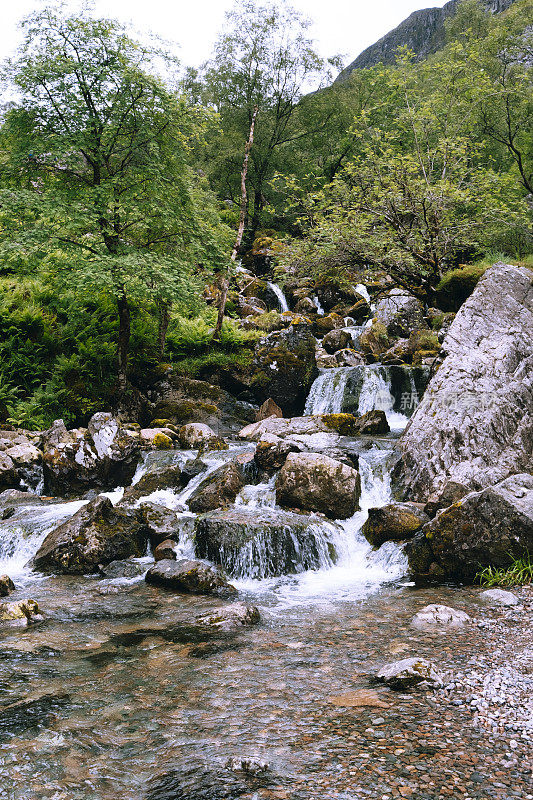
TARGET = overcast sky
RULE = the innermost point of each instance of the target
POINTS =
(340, 26)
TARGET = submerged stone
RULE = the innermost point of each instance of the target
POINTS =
(194, 577)
(410, 672)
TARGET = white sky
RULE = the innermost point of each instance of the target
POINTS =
(340, 26)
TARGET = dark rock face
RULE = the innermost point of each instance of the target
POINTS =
(393, 523)
(315, 482)
(193, 577)
(6, 585)
(268, 409)
(373, 422)
(285, 368)
(487, 528)
(423, 33)
(271, 452)
(262, 543)
(96, 534)
(122, 569)
(219, 489)
(338, 339)
(162, 522)
(165, 550)
(474, 424)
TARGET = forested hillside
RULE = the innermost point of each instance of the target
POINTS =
(121, 188)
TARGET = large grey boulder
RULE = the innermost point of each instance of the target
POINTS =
(316, 482)
(400, 313)
(96, 534)
(263, 543)
(474, 425)
(103, 456)
(488, 528)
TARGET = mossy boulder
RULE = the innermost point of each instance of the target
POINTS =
(20, 613)
(96, 534)
(343, 424)
(457, 285)
(374, 341)
(285, 368)
(394, 522)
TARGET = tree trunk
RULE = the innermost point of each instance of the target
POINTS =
(164, 321)
(224, 287)
(124, 332)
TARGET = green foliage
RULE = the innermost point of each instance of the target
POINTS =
(520, 572)
(457, 285)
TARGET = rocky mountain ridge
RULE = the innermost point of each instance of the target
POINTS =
(423, 32)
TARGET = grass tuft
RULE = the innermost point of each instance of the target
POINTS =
(518, 574)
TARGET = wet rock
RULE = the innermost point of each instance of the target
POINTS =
(400, 313)
(338, 339)
(6, 585)
(197, 435)
(122, 569)
(165, 477)
(360, 311)
(394, 522)
(499, 597)
(162, 523)
(315, 482)
(327, 323)
(263, 543)
(268, 409)
(399, 353)
(474, 424)
(444, 616)
(103, 456)
(348, 358)
(7, 513)
(96, 534)
(252, 765)
(235, 615)
(306, 306)
(11, 499)
(488, 528)
(20, 613)
(217, 490)
(165, 550)
(194, 577)
(373, 423)
(409, 673)
(271, 452)
(191, 469)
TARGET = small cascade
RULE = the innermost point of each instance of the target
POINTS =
(355, 332)
(363, 291)
(376, 395)
(319, 307)
(24, 532)
(282, 300)
(327, 392)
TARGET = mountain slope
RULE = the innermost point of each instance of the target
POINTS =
(423, 32)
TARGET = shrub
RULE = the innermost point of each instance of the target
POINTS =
(457, 285)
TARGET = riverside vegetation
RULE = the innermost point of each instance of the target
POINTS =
(251, 560)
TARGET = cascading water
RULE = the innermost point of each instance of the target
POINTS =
(319, 307)
(282, 300)
(327, 392)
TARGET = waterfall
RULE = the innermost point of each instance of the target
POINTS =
(327, 392)
(363, 291)
(355, 332)
(376, 395)
(282, 300)
(319, 307)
